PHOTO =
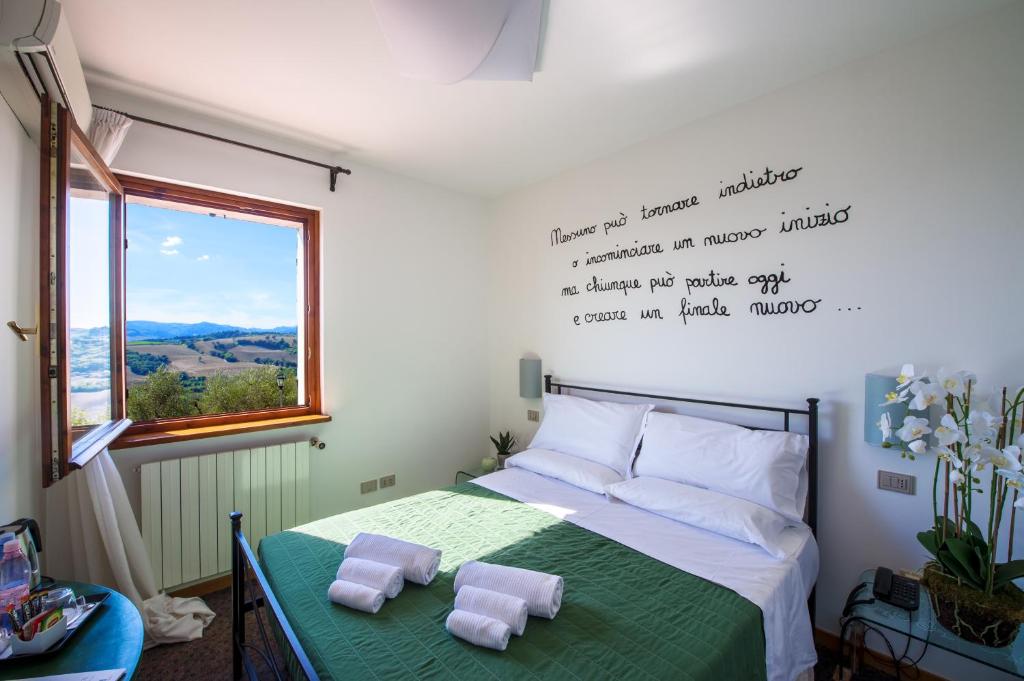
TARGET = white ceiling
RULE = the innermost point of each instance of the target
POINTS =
(611, 73)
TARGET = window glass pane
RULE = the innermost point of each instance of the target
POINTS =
(213, 303)
(88, 294)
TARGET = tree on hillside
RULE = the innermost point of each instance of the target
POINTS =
(144, 363)
(162, 395)
(247, 390)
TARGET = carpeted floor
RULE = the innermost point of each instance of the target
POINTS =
(209, 658)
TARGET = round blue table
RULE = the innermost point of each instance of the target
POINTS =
(110, 639)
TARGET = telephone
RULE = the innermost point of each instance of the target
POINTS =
(902, 592)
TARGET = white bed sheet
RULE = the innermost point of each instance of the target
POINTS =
(779, 587)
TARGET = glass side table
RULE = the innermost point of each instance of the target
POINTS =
(922, 626)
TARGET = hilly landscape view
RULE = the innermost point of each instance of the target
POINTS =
(177, 369)
(183, 266)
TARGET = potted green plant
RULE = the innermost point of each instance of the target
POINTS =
(970, 589)
(504, 444)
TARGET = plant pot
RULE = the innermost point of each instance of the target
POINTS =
(991, 621)
(501, 460)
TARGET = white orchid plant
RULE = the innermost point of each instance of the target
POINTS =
(971, 439)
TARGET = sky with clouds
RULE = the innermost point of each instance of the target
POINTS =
(186, 267)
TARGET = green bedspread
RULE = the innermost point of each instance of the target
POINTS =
(624, 615)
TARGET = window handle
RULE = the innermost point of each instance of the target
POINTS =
(22, 332)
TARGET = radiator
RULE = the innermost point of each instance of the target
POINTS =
(186, 502)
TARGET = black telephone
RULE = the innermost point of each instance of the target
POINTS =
(902, 592)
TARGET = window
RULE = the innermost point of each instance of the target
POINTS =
(220, 293)
(80, 264)
(221, 307)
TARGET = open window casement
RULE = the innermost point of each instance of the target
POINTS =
(81, 308)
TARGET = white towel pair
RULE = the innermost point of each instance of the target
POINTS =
(486, 618)
(492, 602)
(375, 568)
(365, 584)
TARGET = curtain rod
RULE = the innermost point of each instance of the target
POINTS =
(334, 170)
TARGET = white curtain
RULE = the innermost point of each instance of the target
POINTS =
(107, 548)
(107, 132)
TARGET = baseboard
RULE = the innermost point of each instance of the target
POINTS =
(203, 588)
(829, 641)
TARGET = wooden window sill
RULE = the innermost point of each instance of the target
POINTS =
(161, 437)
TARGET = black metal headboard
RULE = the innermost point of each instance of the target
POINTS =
(811, 412)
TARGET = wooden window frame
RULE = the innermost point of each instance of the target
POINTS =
(193, 427)
(64, 447)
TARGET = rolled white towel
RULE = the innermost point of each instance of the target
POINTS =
(541, 591)
(357, 596)
(418, 563)
(511, 610)
(479, 630)
(380, 576)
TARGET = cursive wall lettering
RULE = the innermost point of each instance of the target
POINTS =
(682, 204)
(765, 179)
(686, 310)
(624, 253)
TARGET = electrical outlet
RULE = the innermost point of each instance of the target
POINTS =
(387, 481)
(897, 482)
(368, 486)
(532, 415)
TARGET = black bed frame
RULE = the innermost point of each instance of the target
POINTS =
(250, 590)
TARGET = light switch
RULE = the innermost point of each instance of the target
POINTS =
(897, 482)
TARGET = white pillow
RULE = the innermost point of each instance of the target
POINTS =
(686, 424)
(762, 466)
(578, 472)
(603, 432)
(712, 511)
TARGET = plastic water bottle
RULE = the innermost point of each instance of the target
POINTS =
(15, 572)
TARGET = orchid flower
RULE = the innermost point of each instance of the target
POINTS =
(974, 456)
(949, 432)
(956, 477)
(1019, 503)
(983, 425)
(952, 381)
(906, 375)
(885, 425)
(894, 398)
(1015, 480)
(1007, 461)
(925, 394)
(946, 454)
(981, 455)
(913, 428)
(918, 446)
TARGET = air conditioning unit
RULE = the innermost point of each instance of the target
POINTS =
(37, 56)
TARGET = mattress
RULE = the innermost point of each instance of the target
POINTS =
(625, 615)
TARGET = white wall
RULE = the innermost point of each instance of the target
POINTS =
(926, 144)
(404, 339)
(19, 365)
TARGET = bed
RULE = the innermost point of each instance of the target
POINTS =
(646, 597)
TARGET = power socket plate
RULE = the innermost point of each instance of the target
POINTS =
(897, 482)
(387, 481)
(532, 415)
(368, 486)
